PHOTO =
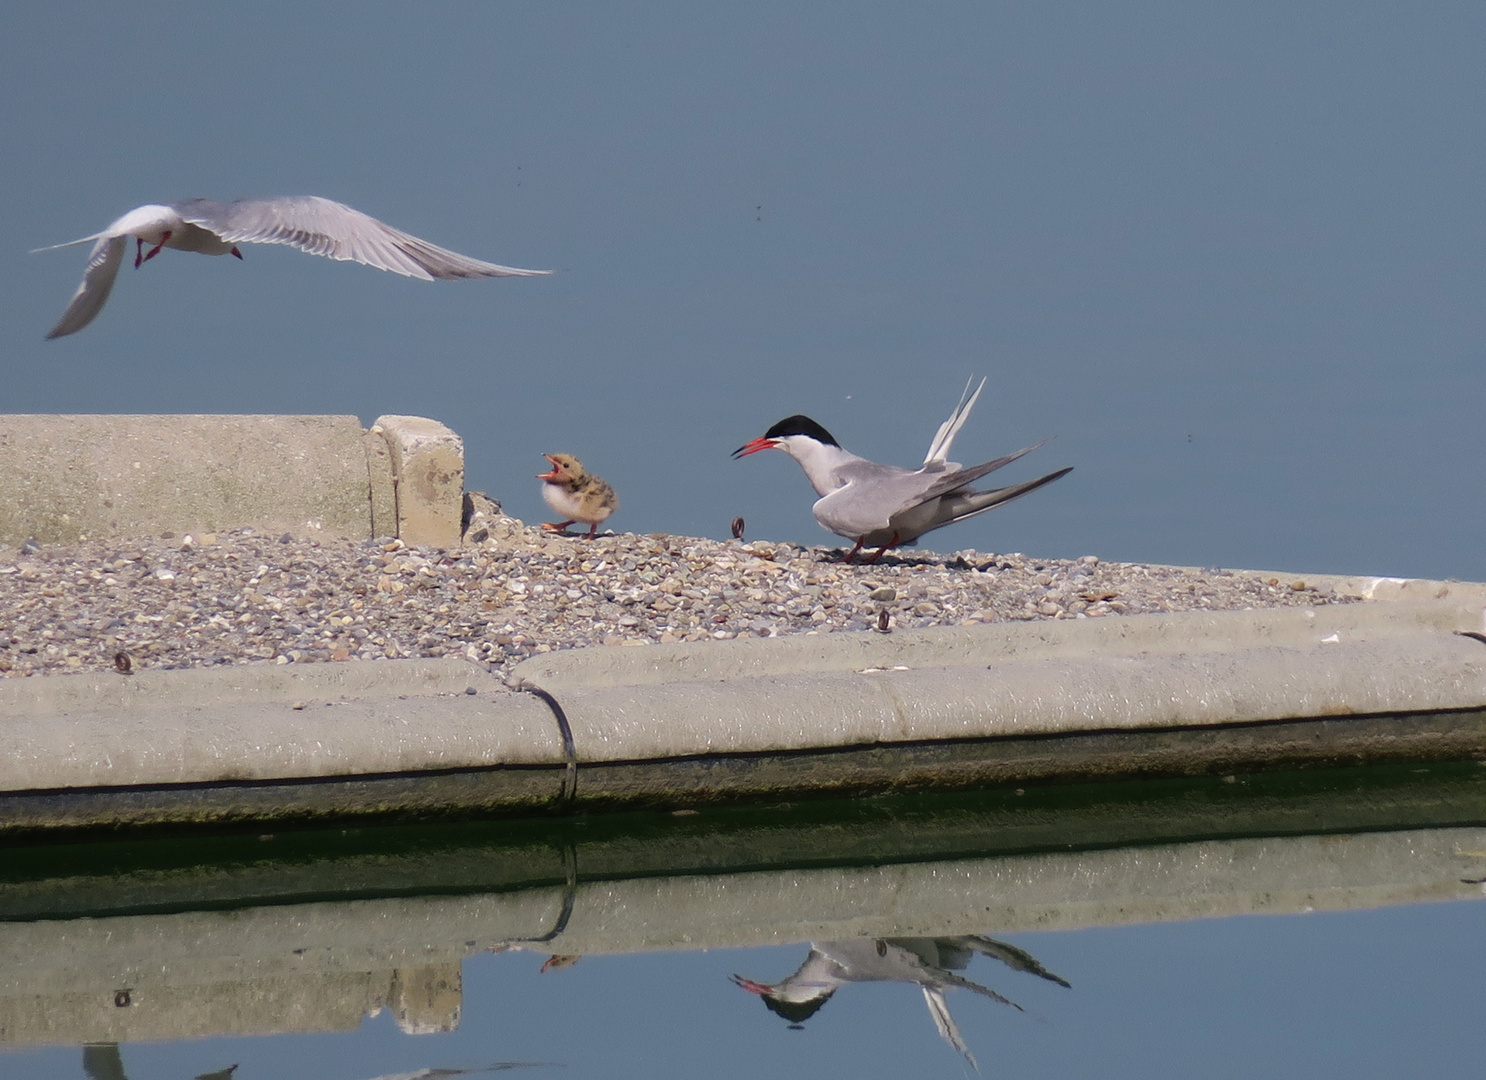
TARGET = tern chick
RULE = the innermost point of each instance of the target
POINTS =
(884, 506)
(576, 495)
(312, 224)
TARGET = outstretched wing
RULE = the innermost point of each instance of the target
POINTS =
(323, 227)
(98, 282)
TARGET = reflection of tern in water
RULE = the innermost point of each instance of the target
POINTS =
(929, 962)
(101, 1061)
(444, 1074)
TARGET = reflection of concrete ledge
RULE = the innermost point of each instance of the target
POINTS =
(69, 476)
(320, 965)
(682, 724)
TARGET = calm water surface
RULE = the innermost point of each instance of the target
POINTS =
(1314, 924)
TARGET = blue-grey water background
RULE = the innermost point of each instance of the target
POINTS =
(1230, 255)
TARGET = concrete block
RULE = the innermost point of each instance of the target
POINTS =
(70, 476)
(428, 462)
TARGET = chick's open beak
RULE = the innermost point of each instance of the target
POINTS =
(553, 475)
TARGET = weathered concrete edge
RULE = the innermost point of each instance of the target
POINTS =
(1136, 673)
(981, 644)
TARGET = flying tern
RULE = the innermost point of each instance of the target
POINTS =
(884, 506)
(311, 224)
(576, 495)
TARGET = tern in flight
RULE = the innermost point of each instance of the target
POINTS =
(884, 506)
(312, 224)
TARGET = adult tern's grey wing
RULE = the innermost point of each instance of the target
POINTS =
(323, 227)
(98, 282)
(870, 495)
(1010, 955)
(944, 483)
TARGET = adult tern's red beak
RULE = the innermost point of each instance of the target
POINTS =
(761, 443)
(748, 984)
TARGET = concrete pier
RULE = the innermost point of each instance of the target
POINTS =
(690, 725)
(74, 476)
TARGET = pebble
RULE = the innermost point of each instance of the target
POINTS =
(238, 597)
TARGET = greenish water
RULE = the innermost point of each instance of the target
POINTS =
(606, 944)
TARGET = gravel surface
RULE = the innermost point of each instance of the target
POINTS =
(513, 591)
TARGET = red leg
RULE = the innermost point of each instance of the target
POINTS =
(138, 252)
(154, 250)
(890, 544)
(593, 529)
(852, 554)
(559, 526)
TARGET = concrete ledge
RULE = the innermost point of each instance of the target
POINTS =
(265, 723)
(74, 476)
(694, 724)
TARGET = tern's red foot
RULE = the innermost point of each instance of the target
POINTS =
(852, 554)
(593, 530)
(557, 526)
(890, 544)
(153, 251)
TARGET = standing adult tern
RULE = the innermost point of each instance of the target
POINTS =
(884, 506)
(312, 224)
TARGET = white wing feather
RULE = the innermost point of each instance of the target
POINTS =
(98, 282)
(323, 227)
(948, 1030)
(944, 438)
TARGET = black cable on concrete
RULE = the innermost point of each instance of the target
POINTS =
(569, 790)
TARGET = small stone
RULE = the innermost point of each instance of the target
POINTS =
(30, 547)
(885, 594)
(925, 608)
(286, 539)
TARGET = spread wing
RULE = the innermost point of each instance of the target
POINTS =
(323, 227)
(98, 281)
